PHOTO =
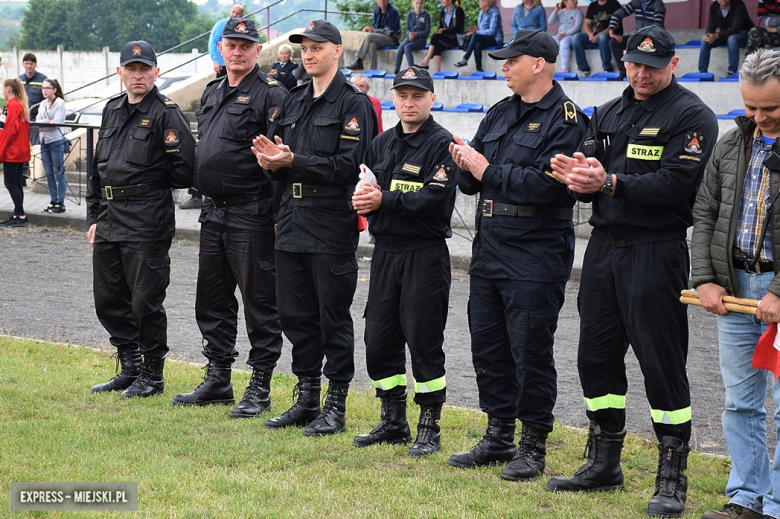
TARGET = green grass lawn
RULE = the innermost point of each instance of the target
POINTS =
(196, 462)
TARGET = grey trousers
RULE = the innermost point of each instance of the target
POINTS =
(371, 43)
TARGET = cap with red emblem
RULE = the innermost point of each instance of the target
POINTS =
(139, 51)
(319, 30)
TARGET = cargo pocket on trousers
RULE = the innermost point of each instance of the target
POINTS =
(343, 268)
(158, 262)
(544, 318)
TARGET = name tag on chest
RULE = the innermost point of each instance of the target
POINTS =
(404, 185)
(641, 152)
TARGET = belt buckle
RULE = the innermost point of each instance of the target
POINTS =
(109, 193)
(297, 191)
(487, 208)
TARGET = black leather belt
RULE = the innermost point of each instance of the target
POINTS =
(111, 192)
(300, 191)
(760, 267)
(229, 202)
(491, 209)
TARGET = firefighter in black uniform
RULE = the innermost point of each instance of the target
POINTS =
(144, 149)
(317, 141)
(523, 254)
(237, 226)
(408, 294)
(646, 153)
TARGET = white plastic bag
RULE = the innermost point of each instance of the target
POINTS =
(367, 177)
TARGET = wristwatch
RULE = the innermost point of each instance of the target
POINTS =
(607, 187)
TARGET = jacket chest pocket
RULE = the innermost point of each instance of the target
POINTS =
(139, 147)
(104, 143)
(405, 181)
(526, 148)
(646, 145)
(285, 128)
(325, 135)
(239, 118)
(492, 145)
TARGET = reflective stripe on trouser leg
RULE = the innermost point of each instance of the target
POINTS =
(430, 386)
(676, 417)
(606, 402)
(390, 382)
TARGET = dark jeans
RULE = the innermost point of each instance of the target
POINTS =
(129, 283)
(229, 258)
(617, 49)
(314, 293)
(12, 178)
(408, 300)
(477, 43)
(580, 42)
(734, 42)
(630, 295)
(512, 326)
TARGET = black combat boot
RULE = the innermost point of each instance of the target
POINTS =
(304, 410)
(216, 387)
(150, 381)
(428, 438)
(393, 429)
(130, 360)
(602, 470)
(356, 65)
(331, 420)
(257, 397)
(671, 484)
(497, 446)
(529, 461)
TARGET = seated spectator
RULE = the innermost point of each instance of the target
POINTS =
(283, 69)
(384, 31)
(647, 12)
(529, 16)
(569, 19)
(765, 33)
(361, 81)
(452, 22)
(595, 32)
(52, 110)
(731, 18)
(487, 33)
(418, 27)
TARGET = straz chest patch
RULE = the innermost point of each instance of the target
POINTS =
(242, 100)
(642, 152)
(405, 186)
(692, 147)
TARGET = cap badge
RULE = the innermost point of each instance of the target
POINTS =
(137, 51)
(409, 75)
(171, 138)
(353, 125)
(310, 28)
(647, 45)
(241, 27)
(440, 175)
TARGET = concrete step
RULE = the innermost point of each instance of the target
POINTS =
(77, 190)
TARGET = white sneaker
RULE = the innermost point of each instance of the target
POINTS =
(584, 73)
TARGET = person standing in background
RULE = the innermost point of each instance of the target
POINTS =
(15, 146)
(52, 111)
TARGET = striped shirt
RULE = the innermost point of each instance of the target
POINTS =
(647, 14)
(755, 203)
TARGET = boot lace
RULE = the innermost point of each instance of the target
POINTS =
(669, 469)
(529, 443)
(254, 387)
(592, 453)
(208, 368)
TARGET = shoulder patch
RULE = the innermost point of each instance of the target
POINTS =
(692, 143)
(171, 137)
(355, 88)
(271, 81)
(273, 112)
(569, 112)
(167, 102)
(443, 173)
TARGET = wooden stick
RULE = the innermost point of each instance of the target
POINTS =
(731, 307)
(726, 299)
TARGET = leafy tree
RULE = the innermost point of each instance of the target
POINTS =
(9, 34)
(45, 24)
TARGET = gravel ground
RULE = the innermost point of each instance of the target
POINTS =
(45, 293)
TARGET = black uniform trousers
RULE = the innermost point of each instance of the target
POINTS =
(315, 292)
(230, 257)
(408, 301)
(630, 295)
(513, 325)
(129, 283)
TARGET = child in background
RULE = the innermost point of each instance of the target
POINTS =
(570, 20)
(418, 26)
(282, 70)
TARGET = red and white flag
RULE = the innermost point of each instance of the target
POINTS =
(767, 354)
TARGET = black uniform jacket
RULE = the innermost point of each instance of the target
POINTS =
(519, 152)
(416, 174)
(32, 87)
(658, 149)
(152, 145)
(286, 76)
(328, 137)
(228, 120)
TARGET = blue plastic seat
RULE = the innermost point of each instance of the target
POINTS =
(375, 73)
(346, 72)
(602, 76)
(735, 113)
(693, 44)
(389, 47)
(472, 107)
(457, 109)
(437, 107)
(489, 48)
(734, 78)
(588, 110)
(388, 105)
(479, 76)
(566, 76)
(445, 74)
(697, 77)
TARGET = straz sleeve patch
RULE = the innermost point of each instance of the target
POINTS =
(352, 125)
(172, 137)
(405, 186)
(642, 152)
(443, 173)
(692, 143)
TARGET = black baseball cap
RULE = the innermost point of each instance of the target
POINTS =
(538, 44)
(242, 28)
(139, 51)
(414, 76)
(319, 30)
(651, 46)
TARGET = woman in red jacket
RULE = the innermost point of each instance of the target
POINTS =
(15, 146)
